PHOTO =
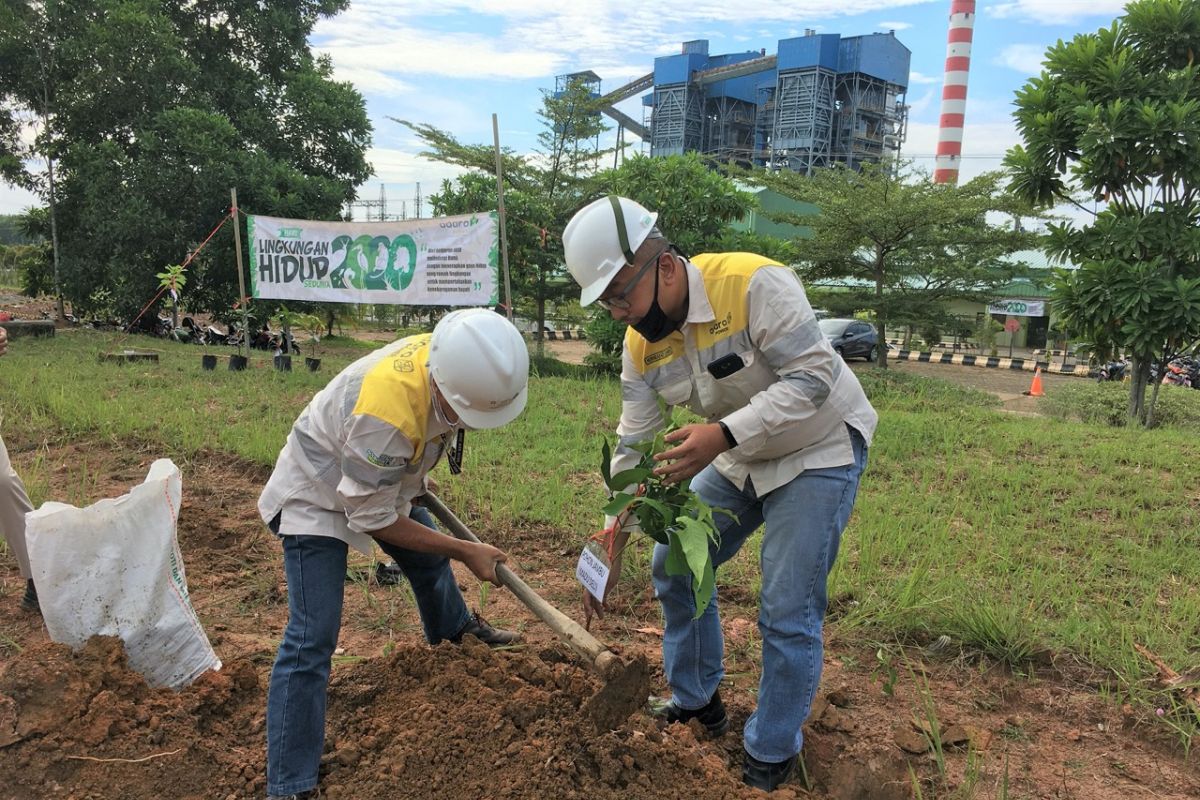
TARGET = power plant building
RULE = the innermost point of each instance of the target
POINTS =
(822, 99)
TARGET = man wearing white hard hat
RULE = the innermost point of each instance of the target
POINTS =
(353, 464)
(732, 337)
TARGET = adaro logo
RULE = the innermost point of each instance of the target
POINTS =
(721, 326)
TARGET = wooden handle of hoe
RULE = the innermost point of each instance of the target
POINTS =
(600, 657)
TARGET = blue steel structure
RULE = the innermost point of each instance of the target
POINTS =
(590, 82)
(823, 99)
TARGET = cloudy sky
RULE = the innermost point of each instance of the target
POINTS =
(452, 63)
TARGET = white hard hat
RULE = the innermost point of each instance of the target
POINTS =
(601, 238)
(481, 366)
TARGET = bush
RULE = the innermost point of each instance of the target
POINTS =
(1108, 404)
(606, 336)
(551, 367)
(985, 334)
(887, 387)
(35, 264)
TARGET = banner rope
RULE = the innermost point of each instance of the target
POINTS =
(184, 266)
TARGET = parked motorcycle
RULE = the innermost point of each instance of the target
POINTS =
(1113, 371)
(1182, 371)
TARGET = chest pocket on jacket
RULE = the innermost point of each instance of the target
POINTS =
(722, 395)
(672, 381)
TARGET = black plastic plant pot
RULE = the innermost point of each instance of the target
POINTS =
(237, 363)
(283, 363)
(209, 363)
(313, 364)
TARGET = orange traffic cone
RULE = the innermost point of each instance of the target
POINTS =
(1035, 388)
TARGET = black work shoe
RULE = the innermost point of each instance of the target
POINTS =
(311, 794)
(493, 637)
(30, 601)
(766, 775)
(388, 574)
(712, 716)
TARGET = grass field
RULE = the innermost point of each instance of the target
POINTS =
(1017, 537)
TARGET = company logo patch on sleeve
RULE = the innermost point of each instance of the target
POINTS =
(382, 460)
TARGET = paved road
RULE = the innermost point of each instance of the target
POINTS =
(1004, 383)
(1007, 384)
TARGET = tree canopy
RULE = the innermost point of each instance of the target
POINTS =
(903, 246)
(542, 190)
(1115, 117)
(151, 111)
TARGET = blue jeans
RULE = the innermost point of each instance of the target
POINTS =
(804, 523)
(316, 577)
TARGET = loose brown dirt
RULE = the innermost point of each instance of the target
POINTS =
(407, 720)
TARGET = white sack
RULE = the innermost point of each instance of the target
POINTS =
(114, 568)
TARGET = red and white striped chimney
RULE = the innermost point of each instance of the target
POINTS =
(954, 91)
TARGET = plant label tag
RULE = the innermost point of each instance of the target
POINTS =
(592, 572)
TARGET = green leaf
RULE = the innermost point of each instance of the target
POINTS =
(703, 590)
(629, 477)
(606, 465)
(693, 541)
(660, 511)
(676, 562)
(619, 503)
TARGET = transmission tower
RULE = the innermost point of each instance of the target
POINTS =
(377, 210)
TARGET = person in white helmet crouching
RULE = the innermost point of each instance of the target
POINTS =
(353, 465)
(784, 440)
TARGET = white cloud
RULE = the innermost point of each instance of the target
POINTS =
(920, 77)
(525, 39)
(386, 50)
(1024, 58)
(14, 200)
(370, 81)
(1054, 12)
(404, 166)
(984, 145)
(895, 26)
(921, 105)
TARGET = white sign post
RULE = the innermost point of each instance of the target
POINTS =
(592, 572)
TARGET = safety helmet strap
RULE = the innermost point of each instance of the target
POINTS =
(622, 234)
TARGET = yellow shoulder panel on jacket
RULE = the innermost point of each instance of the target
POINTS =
(726, 282)
(396, 390)
(646, 355)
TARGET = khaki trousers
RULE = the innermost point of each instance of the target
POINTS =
(14, 505)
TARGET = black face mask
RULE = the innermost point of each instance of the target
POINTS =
(656, 325)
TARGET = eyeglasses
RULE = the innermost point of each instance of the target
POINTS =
(617, 301)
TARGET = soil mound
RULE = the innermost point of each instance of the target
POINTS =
(419, 723)
(473, 722)
(83, 725)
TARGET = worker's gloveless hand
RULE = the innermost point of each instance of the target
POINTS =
(482, 559)
(593, 607)
(697, 446)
